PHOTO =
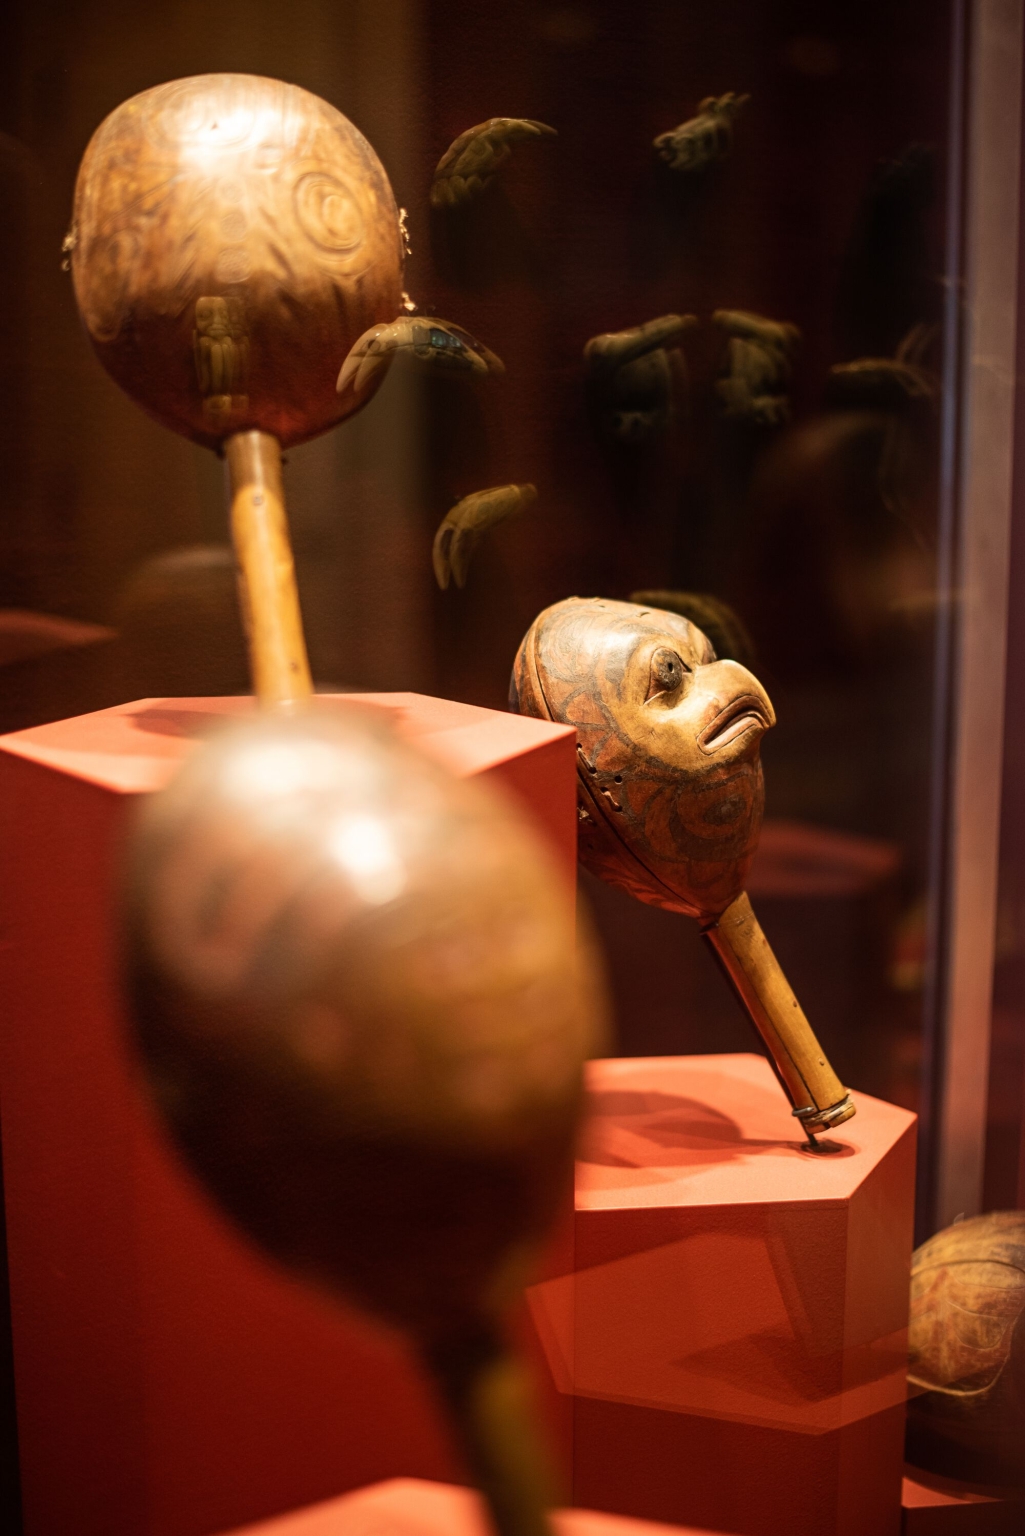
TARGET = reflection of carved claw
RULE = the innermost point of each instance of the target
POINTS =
(879, 383)
(778, 334)
(757, 366)
(898, 383)
(606, 353)
(471, 161)
(438, 343)
(457, 536)
(716, 619)
(631, 382)
(699, 141)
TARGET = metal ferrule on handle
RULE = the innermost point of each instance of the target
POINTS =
(820, 1100)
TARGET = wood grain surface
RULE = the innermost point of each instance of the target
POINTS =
(670, 795)
(763, 989)
(270, 597)
(232, 237)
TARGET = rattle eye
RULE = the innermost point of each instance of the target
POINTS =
(667, 672)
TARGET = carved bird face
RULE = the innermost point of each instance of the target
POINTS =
(669, 772)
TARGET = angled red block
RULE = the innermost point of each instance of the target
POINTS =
(940, 1506)
(733, 1330)
(411, 1507)
(169, 1382)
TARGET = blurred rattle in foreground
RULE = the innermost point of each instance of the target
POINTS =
(670, 796)
(357, 992)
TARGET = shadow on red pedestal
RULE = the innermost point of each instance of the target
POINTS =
(733, 1332)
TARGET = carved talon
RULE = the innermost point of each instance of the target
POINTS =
(631, 380)
(613, 349)
(701, 140)
(438, 343)
(460, 530)
(757, 366)
(472, 161)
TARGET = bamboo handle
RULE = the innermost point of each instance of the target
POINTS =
(487, 1396)
(819, 1098)
(270, 601)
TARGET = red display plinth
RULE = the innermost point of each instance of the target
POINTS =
(939, 1506)
(409, 1507)
(169, 1382)
(733, 1333)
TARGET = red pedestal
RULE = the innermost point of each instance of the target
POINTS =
(938, 1506)
(169, 1382)
(733, 1333)
(408, 1507)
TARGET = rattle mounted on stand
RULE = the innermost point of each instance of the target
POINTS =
(671, 794)
(233, 236)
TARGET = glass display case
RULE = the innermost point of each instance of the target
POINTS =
(826, 454)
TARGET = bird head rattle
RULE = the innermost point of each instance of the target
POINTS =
(671, 794)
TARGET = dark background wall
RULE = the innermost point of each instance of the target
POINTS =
(829, 213)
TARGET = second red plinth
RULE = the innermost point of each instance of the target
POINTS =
(733, 1331)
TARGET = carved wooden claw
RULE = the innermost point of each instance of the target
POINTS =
(438, 343)
(613, 349)
(695, 144)
(630, 380)
(459, 532)
(757, 367)
(471, 162)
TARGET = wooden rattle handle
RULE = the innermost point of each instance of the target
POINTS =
(270, 600)
(819, 1098)
(486, 1393)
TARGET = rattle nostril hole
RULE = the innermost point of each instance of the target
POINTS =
(619, 778)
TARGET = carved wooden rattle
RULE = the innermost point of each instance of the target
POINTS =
(671, 796)
(357, 992)
(233, 237)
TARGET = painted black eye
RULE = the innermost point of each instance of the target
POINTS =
(667, 671)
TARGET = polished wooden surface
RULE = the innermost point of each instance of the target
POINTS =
(232, 237)
(756, 975)
(670, 776)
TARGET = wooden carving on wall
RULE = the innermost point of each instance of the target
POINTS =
(671, 794)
